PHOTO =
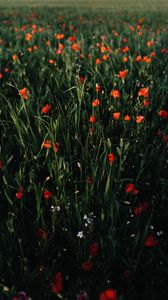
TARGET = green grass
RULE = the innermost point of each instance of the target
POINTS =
(114, 4)
(83, 174)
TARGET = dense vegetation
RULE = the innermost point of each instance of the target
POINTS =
(83, 155)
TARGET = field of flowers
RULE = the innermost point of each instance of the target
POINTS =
(83, 155)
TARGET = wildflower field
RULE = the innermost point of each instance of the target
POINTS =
(83, 154)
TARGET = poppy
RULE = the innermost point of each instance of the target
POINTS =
(75, 47)
(139, 119)
(41, 233)
(24, 93)
(51, 61)
(93, 249)
(122, 74)
(1, 164)
(110, 158)
(127, 118)
(108, 294)
(57, 283)
(130, 188)
(138, 58)
(95, 102)
(115, 94)
(59, 36)
(150, 241)
(144, 92)
(72, 38)
(146, 103)
(47, 194)
(46, 109)
(14, 57)
(116, 115)
(19, 195)
(147, 59)
(142, 207)
(163, 113)
(92, 119)
(56, 147)
(47, 144)
(98, 88)
(98, 61)
(125, 59)
(87, 265)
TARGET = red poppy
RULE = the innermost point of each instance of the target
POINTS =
(46, 109)
(24, 93)
(87, 266)
(111, 158)
(130, 188)
(122, 74)
(89, 180)
(108, 294)
(41, 233)
(1, 164)
(146, 103)
(93, 249)
(72, 38)
(163, 113)
(19, 195)
(165, 139)
(147, 59)
(47, 194)
(81, 79)
(144, 92)
(95, 102)
(98, 88)
(57, 283)
(142, 207)
(92, 119)
(138, 58)
(150, 241)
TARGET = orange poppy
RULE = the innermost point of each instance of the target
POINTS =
(139, 119)
(92, 119)
(75, 47)
(95, 102)
(147, 59)
(14, 57)
(98, 61)
(115, 94)
(127, 118)
(47, 144)
(144, 92)
(122, 74)
(139, 58)
(59, 36)
(46, 109)
(24, 93)
(116, 115)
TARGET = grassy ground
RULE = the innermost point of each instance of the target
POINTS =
(83, 151)
(120, 4)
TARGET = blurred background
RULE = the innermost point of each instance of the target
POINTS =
(117, 4)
